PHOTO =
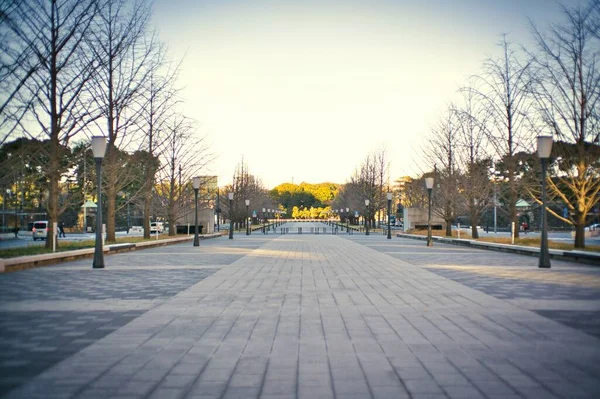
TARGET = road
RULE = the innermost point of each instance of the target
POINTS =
(25, 240)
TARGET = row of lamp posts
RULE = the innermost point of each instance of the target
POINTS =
(389, 208)
(544, 148)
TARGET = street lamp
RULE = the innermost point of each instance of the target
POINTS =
(264, 216)
(196, 185)
(544, 148)
(429, 185)
(247, 218)
(367, 215)
(98, 149)
(389, 198)
(230, 195)
(347, 220)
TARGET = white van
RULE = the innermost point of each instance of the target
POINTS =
(156, 227)
(40, 230)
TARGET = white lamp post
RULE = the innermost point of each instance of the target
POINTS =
(429, 186)
(347, 220)
(389, 198)
(230, 195)
(99, 149)
(367, 216)
(247, 218)
(544, 148)
(196, 185)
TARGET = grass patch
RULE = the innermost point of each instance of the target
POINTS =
(65, 245)
(523, 240)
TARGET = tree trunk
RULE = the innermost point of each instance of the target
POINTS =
(111, 183)
(171, 215)
(54, 176)
(146, 223)
(512, 212)
(473, 215)
(448, 227)
(580, 232)
(111, 204)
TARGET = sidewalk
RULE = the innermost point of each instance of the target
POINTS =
(309, 316)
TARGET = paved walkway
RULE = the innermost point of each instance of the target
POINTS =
(309, 316)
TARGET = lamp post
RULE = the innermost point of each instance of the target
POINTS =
(4, 211)
(389, 198)
(544, 148)
(218, 212)
(347, 220)
(99, 149)
(264, 216)
(230, 195)
(367, 216)
(196, 185)
(247, 218)
(429, 185)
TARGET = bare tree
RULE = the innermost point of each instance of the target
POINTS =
(567, 92)
(120, 39)
(441, 152)
(472, 158)
(54, 82)
(383, 181)
(185, 155)
(157, 105)
(504, 89)
(369, 181)
(245, 186)
(17, 65)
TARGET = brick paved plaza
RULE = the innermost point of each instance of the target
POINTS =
(302, 316)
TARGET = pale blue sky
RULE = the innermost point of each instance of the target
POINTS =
(304, 90)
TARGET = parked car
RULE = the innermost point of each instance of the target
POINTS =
(156, 227)
(593, 227)
(39, 230)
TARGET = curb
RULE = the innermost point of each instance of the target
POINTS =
(27, 262)
(587, 257)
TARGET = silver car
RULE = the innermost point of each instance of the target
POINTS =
(40, 230)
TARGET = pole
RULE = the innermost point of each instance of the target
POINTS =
(247, 220)
(84, 196)
(367, 219)
(429, 240)
(231, 219)
(218, 212)
(389, 235)
(544, 252)
(196, 239)
(347, 222)
(16, 231)
(495, 212)
(98, 253)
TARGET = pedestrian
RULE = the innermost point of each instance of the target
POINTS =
(61, 230)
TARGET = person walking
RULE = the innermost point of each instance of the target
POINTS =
(61, 230)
